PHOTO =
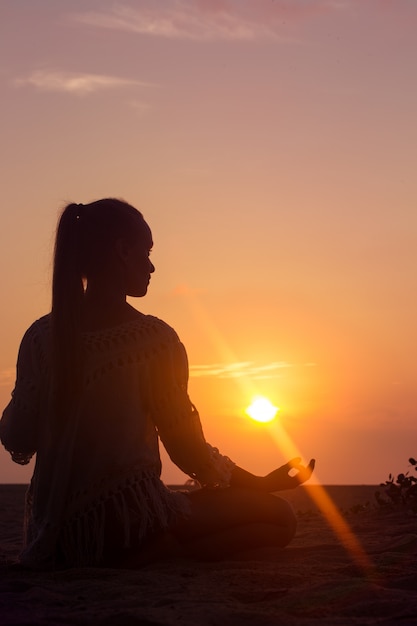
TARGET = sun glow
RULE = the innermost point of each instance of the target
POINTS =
(261, 410)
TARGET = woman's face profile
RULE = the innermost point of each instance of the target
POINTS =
(137, 262)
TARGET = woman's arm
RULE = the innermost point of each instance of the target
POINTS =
(177, 420)
(19, 423)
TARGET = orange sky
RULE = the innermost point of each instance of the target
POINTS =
(272, 147)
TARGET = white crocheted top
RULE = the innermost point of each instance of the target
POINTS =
(134, 391)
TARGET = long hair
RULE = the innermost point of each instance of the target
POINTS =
(84, 239)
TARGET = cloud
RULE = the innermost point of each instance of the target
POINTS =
(75, 83)
(210, 20)
(184, 19)
(239, 369)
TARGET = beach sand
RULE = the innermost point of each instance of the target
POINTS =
(365, 573)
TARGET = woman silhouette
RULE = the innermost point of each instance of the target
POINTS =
(98, 384)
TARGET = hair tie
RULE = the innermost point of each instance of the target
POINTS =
(80, 208)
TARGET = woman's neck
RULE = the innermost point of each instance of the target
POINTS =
(104, 310)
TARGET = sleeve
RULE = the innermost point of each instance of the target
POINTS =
(178, 422)
(19, 423)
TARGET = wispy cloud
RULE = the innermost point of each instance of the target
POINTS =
(237, 370)
(228, 20)
(75, 83)
(199, 20)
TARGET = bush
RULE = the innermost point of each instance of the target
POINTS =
(401, 491)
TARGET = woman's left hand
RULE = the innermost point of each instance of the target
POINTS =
(281, 479)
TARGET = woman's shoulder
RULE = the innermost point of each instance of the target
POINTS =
(138, 326)
(38, 329)
(141, 323)
(157, 329)
(159, 325)
(35, 340)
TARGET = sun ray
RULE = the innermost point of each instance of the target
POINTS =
(223, 348)
(289, 449)
(326, 505)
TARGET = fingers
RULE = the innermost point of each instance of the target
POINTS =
(304, 472)
(294, 463)
(307, 472)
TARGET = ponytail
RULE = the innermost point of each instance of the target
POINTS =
(67, 299)
(84, 240)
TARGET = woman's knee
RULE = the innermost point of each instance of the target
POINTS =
(286, 517)
(215, 510)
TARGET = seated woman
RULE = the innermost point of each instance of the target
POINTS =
(98, 383)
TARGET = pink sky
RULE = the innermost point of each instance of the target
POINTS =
(272, 147)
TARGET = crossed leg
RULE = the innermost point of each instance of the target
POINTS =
(226, 521)
(222, 522)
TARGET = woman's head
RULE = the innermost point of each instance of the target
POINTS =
(97, 243)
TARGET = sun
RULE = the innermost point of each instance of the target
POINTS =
(261, 410)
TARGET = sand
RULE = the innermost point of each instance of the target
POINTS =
(315, 580)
